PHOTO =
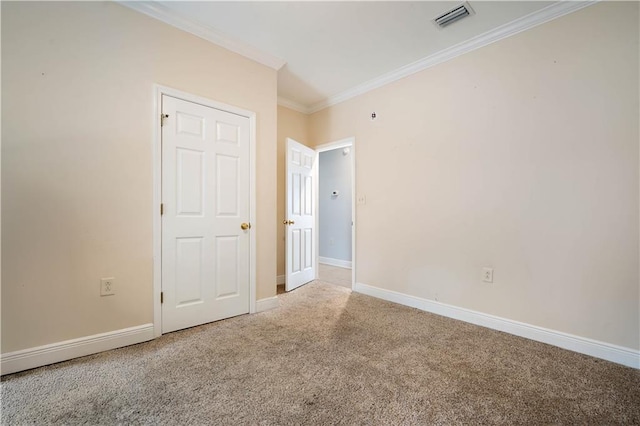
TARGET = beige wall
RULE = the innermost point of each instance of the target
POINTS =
(77, 94)
(294, 125)
(522, 156)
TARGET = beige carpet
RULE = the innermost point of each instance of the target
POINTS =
(335, 275)
(328, 356)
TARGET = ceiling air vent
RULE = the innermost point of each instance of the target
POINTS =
(453, 15)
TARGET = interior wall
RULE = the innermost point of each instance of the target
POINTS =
(522, 156)
(294, 125)
(334, 211)
(77, 115)
(0, 185)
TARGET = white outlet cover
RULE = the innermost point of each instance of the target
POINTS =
(107, 286)
(362, 199)
(487, 275)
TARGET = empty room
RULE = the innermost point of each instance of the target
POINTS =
(299, 212)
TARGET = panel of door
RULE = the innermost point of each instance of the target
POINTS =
(205, 196)
(300, 220)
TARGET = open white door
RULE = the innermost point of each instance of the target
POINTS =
(205, 229)
(300, 220)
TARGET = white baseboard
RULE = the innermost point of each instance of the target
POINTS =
(335, 262)
(26, 359)
(280, 279)
(618, 354)
(267, 304)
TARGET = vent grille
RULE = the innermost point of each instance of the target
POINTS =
(453, 15)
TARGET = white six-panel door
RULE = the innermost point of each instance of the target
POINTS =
(205, 196)
(300, 220)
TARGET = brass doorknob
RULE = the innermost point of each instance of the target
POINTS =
(288, 222)
(245, 226)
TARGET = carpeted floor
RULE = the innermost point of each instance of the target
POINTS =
(335, 275)
(328, 356)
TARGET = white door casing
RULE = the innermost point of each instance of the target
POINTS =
(300, 246)
(205, 196)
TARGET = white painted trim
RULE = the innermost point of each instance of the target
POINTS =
(354, 197)
(280, 279)
(157, 193)
(288, 103)
(156, 145)
(26, 359)
(534, 19)
(316, 211)
(335, 262)
(190, 97)
(267, 304)
(342, 143)
(253, 218)
(614, 353)
(171, 17)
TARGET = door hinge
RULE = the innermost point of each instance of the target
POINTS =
(161, 297)
(161, 209)
(162, 118)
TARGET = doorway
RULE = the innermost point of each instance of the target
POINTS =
(204, 184)
(304, 258)
(336, 213)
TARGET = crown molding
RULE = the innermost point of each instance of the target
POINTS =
(534, 19)
(288, 103)
(168, 16)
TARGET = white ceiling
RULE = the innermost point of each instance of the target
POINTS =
(330, 48)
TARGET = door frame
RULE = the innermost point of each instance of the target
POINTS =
(158, 91)
(349, 142)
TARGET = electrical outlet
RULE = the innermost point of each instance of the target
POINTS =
(487, 275)
(362, 199)
(107, 286)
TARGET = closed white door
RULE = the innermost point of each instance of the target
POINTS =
(205, 196)
(300, 220)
